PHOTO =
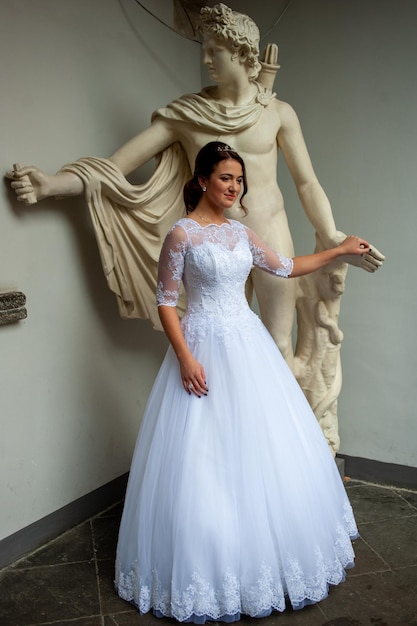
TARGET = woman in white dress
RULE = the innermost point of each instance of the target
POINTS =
(234, 504)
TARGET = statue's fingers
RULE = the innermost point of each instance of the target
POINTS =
(20, 171)
(370, 258)
(375, 262)
(378, 256)
(374, 252)
(22, 186)
(368, 265)
(27, 198)
(16, 184)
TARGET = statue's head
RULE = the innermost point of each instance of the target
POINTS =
(236, 29)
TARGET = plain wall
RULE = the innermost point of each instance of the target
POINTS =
(79, 78)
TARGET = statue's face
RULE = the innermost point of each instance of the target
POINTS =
(217, 55)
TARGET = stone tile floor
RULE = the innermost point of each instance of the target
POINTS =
(68, 582)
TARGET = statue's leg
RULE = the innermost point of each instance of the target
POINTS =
(276, 300)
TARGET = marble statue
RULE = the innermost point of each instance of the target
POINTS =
(317, 364)
(240, 109)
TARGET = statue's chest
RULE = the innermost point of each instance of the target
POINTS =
(261, 138)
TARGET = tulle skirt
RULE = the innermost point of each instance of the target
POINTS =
(234, 503)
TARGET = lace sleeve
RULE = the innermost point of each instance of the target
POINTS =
(267, 259)
(171, 267)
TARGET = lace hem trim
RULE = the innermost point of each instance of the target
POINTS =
(269, 591)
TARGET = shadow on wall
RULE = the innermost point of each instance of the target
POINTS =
(130, 335)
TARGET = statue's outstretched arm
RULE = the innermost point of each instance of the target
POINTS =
(144, 146)
(312, 196)
(32, 184)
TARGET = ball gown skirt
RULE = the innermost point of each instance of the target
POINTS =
(234, 503)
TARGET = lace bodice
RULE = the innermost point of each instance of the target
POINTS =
(213, 262)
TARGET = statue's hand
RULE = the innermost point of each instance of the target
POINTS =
(29, 183)
(369, 261)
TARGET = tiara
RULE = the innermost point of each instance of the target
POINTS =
(224, 148)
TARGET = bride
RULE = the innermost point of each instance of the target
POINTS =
(234, 504)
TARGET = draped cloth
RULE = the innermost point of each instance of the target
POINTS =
(131, 221)
(202, 110)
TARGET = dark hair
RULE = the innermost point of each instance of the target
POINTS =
(206, 160)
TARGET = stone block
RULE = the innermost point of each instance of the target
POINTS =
(12, 307)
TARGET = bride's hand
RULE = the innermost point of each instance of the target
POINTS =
(368, 259)
(193, 377)
(362, 254)
(354, 245)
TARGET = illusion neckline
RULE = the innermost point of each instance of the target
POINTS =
(227, 223)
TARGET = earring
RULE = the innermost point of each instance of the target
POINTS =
(204, 188)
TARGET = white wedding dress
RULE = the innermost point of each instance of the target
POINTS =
(234, 504)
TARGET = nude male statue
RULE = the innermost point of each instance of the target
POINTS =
(240, 112)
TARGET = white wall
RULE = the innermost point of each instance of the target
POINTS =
(348, 68)
(76, 80)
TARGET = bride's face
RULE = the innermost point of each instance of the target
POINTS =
(219, 57)
(224, 185)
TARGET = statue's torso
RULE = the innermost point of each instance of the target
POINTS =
(257, 145)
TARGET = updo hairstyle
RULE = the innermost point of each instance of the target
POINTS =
(209, 156)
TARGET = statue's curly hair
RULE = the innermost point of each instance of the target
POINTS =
(236, 28)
